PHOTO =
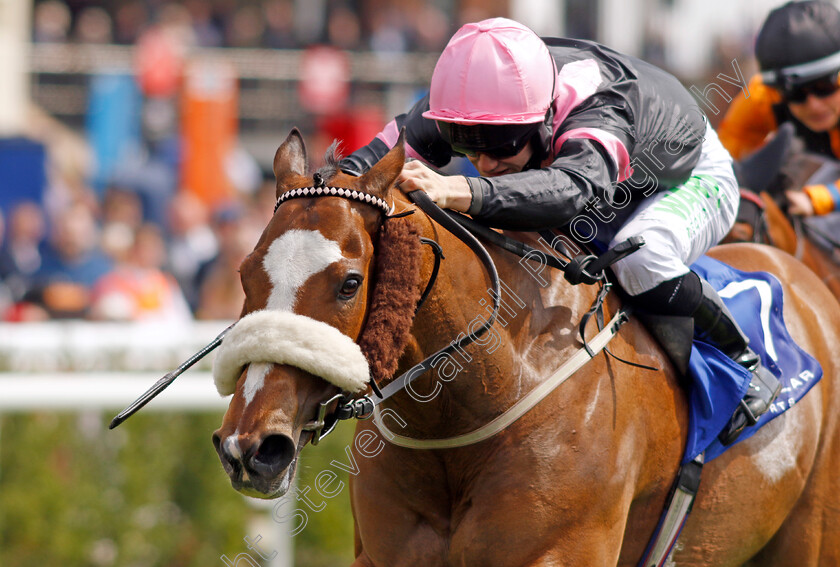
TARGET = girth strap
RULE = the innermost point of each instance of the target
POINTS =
(677, 508)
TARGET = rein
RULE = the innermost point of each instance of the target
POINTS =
(576, 271)
(364, 406)
(521, 407)
(422, 200)
(582, 269)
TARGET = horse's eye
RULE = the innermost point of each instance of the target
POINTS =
(350, 286)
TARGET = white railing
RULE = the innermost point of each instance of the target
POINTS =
(82, 346)
(81, 366)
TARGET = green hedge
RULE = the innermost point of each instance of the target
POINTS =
(149, 493)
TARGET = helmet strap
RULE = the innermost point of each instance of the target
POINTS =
(541, 141)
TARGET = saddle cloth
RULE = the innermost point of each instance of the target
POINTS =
(718, 383)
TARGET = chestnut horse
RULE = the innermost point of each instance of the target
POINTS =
(582, 478)
(781, 233)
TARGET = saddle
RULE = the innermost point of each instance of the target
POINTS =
(714, 382)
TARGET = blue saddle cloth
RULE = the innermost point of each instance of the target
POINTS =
(718, 383)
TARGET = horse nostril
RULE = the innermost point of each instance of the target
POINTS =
(229, 462)
(274, 454)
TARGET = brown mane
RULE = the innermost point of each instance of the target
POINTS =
(394, 297)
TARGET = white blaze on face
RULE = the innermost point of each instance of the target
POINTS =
(294, 258)
(231, 445)
(254, 379)
(290, 261)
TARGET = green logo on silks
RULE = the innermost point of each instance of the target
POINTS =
(691, 200)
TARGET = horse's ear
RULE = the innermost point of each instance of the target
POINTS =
(779, 229)
(379, 179)
(290, 157)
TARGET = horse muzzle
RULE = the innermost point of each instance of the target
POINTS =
(263, 468)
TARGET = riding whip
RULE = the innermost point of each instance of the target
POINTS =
(164, 382)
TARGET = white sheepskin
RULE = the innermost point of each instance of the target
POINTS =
(282, 337)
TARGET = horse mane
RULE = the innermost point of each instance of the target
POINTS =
(331, 158)
(394, 298)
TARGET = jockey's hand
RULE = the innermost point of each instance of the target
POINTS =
(799, 203)
(448, 191)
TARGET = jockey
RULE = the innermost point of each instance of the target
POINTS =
(798, 52)
(570, 133)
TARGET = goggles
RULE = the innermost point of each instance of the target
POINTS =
(820, 88)
(494, 140)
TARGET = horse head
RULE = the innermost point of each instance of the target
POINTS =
(780, 232)
(308, 284)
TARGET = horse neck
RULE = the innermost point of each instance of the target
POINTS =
(822, 265)
(779, 230)
(472, 385)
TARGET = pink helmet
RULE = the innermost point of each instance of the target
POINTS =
(496, 71)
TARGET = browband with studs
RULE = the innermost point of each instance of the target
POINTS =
(325, 191)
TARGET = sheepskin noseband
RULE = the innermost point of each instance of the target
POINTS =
(287, 338)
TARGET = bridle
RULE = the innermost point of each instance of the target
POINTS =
(581, 269)
(348, 407)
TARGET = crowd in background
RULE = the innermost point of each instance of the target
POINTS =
(347, 24)
(108, 261)
(139, 245)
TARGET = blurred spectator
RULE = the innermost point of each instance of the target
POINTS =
(220, 294)
(343, 28)
(246, 28)
(122, 206)
(275, 24)
(122, 215)
(475, 13)
(69, 162)
(138, 289)
(72, 263)
(144, 188)
(191, 242)
(389, 32)
(262, 207)
(93, 25)
(243, 171)
(176, 21)
(158, 62)
(51, 22)
(20, 255)
(280, 24)
(5, 270)
(130, 19)
(432, 28)
(205, 28)
(152, 172)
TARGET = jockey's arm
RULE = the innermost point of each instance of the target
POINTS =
(423, 141)
(548, 197)
(749, 120)
(582, 172)
(580, 175)
(815, 199)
